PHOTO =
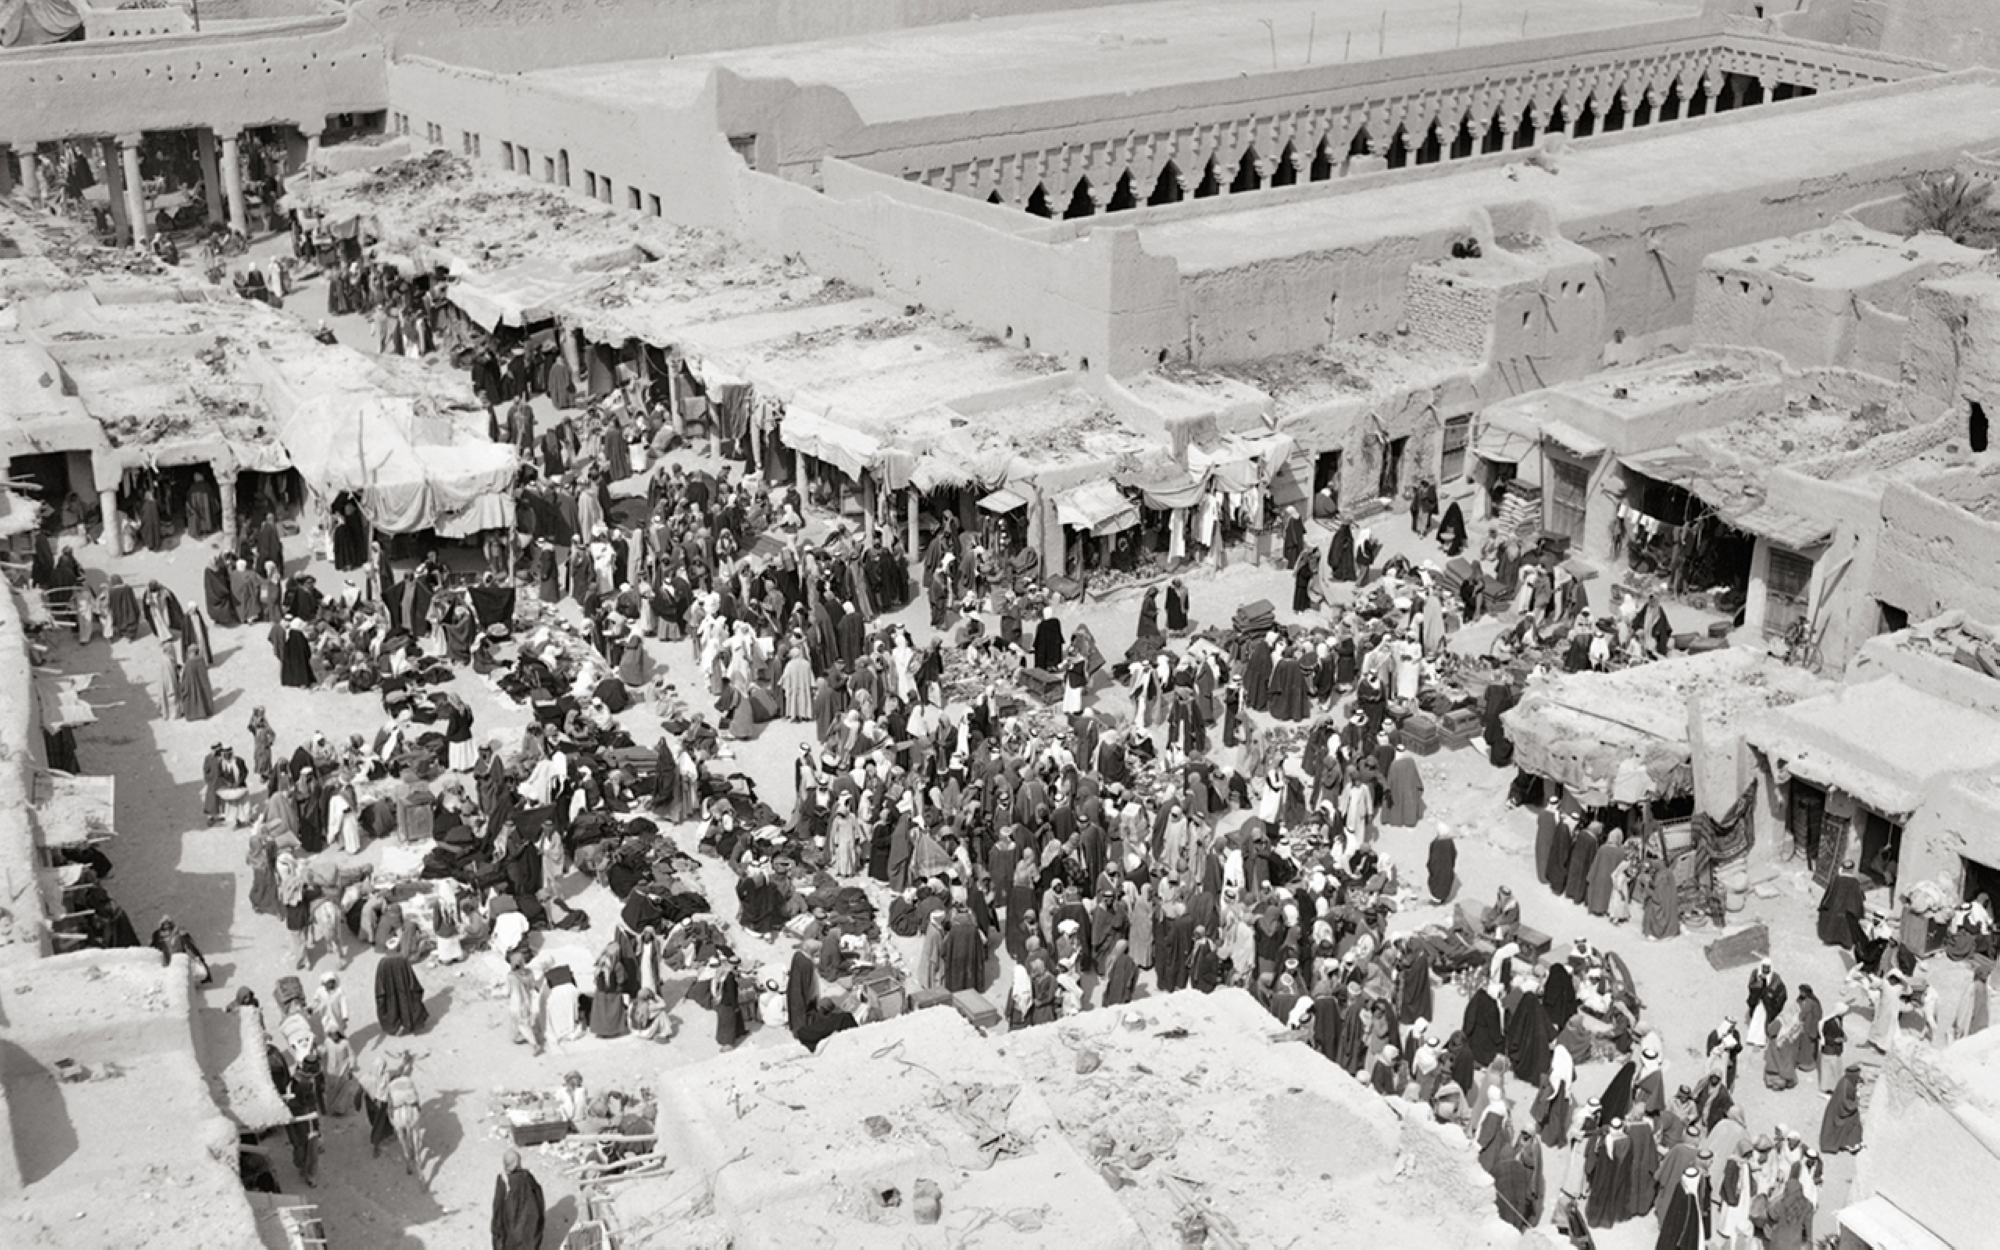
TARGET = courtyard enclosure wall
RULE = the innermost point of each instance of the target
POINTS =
(516, 37)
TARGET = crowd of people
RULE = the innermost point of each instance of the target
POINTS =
(984, 794)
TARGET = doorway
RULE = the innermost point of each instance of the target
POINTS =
(1391, 481)
(1806, 822)
(1976, 879)
(1881, 847)
(1569, 492)
(1326, 479)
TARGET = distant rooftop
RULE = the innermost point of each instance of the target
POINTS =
(1845, 254)
(1599, 178)
(1078, 53)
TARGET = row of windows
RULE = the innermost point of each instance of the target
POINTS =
(517, 158)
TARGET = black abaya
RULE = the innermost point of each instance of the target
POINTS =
(1528, 1039)
(399, 997)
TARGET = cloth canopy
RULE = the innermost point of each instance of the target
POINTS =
(30, 23)
(1002, 501)
(1505, 437)
(1163, 482)
(411, 471)
(1097, 507)
(852, 451)
(520, 294)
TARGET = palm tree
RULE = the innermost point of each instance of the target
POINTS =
(1954, 205)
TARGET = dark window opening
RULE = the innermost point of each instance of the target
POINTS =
(1496, 138)
(1322, 163)
(1559, 116)
(1398, 154)
(1209, 185)
(1890, 618)
(1975, 427)
(1167, 187)
(1670, 108)
(1586, 120)
(1286, 172)
(1524, 134)
(1362, 144)
(1038, 202)
(1080, 203)
(1121, 195)
(1978, 879)
(1431, 150)
(1614, 117)
(1464, 142)
(1326, 481)
(1247, 177)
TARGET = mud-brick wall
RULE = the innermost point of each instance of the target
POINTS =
(1449, 311)
(1936, 556)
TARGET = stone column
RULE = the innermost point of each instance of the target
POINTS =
(232, 184)
(114, 529)
(31, 170)
(225, 486)
(135, 189)
(312, 142)
(916, 549)
(211, 175)
(114, 190)
(6, 176)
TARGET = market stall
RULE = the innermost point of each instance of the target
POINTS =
(413, 466)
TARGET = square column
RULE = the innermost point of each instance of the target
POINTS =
(232, 184)
(211, 174)
(135, 189)
(114, 188)
(31, 170)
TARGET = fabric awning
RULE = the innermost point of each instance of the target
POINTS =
(1002, 502)
(1571, 439)
(1727, 488)
(1163, 482)
(520, 294)
(1787, 529)
(1505, 437)
(72, 810)
(62, 702)
(852, 451)
(412, 470)
(1883, 1225)
(1097, 507)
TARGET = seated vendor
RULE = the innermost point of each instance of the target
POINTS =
(1500, 921)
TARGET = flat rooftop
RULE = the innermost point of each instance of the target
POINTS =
(1013, 62)
(1844, 255)
(1761, 147)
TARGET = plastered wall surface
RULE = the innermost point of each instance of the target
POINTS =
(325, 66)
(1920, 1154)
(1951, 32)
(1936, 556)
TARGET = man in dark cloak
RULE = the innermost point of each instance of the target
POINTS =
(1441, 869)
(1684, 1219)
(1257, 673)
(802, 986)
(1556, 872)
(518, 1210)
(1517, 1181)
(1528, 1039)
(1840, 1126)
(1121, 976)
(1403, 792)
(123, 605)
(1582, 854)
(1559, 996)
(1049, 643)
(1608, 1168)
(1483, 1035)
(216, 593)
(1340, 554)
(149, 522)
(964, 953)
(269, 544)
(295, 669)
(1640, 1182)
(1841, 908)
(399, 997)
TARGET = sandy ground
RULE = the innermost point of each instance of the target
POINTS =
(169, 863)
